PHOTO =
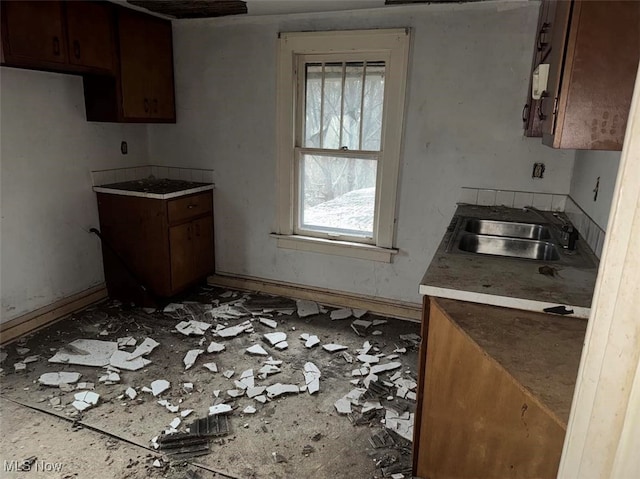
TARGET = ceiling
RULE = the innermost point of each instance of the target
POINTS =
(220, 8)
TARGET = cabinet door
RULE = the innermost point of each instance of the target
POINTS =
(90, 35)
(203, 247)
(181, 245)
(161, 64)
(33, 35)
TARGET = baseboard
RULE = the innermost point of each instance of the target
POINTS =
(395, 309)
(40, 318)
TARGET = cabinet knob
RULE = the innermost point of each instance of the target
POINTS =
(525, 113)
(541, 115)
(76, 49)
(190, 207)
(146, 105)
(56, 46)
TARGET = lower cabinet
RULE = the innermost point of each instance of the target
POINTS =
(161, 246)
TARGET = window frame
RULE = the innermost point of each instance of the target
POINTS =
(390, 45)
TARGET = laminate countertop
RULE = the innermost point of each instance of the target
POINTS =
(512, 282)
(158, 188)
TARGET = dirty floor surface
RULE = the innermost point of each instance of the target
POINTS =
(292, 435)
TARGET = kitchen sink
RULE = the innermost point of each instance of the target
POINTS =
(505, 246)
(507, 228)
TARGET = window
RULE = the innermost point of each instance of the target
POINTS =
(340, 113)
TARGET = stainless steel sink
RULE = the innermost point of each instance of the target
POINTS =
(505, 246)
(507, 228)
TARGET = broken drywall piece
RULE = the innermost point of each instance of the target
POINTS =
(410, 384)
(85, 399)
(395, 376)
(145, 389)
(119, 360)
(393, 356)
(131, 393)
(411, 396)
(187, 387)
(369, 379)
(3, 356)
(192, 327)
(216, 392)
(282, 345)
(86, 352)
(307, 308)
(363, 371)
(370, 406)
(368, 358)
(235, 393)
(275, 338)
(55, 379)
(377, 332)
(22, 351)
(269, 322)
(159, 386)
(332, 347)
(312, 377)
(343, 405)
(172, 307)
(190, 358)
(215, 347)
(228, 373)
(233, 331)
(186, 412)
(144, 348)
(355, 382)
(400, 350)
(402, 424)
(358, 313)
(310, 340)
(380, 368)
(175, 423)
(268, 369)
(249, 410)
(347, 357)
(31, 359)
(379, 322)
(341, 313)
(366, 347)
(252, 392)
(219, 409)
(279, 389)
(110, 378)
(227, 311)
(261, 398)
(82, 385)
(126, 342)
(247, 378)
(240, 384)
(19, 366)
(80, 405)
(273, 362)
(257, 350)
(211, 367)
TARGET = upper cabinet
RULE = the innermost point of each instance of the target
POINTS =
(143, 90)
(70, 37)
(593, 60)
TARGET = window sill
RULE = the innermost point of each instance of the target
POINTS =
(335, 247)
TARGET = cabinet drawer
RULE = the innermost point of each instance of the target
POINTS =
(186, 207)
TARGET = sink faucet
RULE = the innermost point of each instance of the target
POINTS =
(568, 235)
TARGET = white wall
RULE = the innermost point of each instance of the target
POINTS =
(47, 206)
(468, 75)
(588, 166)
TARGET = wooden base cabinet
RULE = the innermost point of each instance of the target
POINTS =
(475, 420)
(167, 245)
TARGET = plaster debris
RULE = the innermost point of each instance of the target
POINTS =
(30, 359)
(211, 367)
(192, 327)
(363, 371)
(279, 389)
(175, 423)
(393, 356)
(312, 377)
(307, 308)
(157, 463)
(126, 342)
(252, 392)
(187, 387)
(366, 347)
(82, 386)
(377, 332)
(257, 350)
(261, 399)
(410, 384)
(332, 348)
(22, 351)
(219, 409)
(144, 348)
(186, 412)
(411, 396)
(368, 358)
(267, 370)
(380, 368)
(358, 313)
(347, 357)
(310, 340)
(282, 345)
(228, 373)
(86, 352)
(273, 362)
(402, 424)
(343, 405)
(275, 338)
(85, 399)
(173, 307)
(233, 331)
(80, 405)
(55, 379)
(360, 326)
(371, 378)
(20, 367)
(379, 322)
(400, 350)
(269, 322)
(216, 393)
(131, 393)
(159, 386)
(190, 358)
(55, 401)
(119, 359)
(247, 378)
(249, 410)
(145, 389)
(341, 313)
(397, 476)
(3, 356)
(278, 458)
(215, 347)
(395, 376)
(226, 311)
(110, 378)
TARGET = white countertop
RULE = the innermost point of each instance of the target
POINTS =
(512, 282)
(142, 194)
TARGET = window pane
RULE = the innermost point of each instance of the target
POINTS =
(313, 99)
(332, 106)
(372, 108)
(337, 194)
(352, 105)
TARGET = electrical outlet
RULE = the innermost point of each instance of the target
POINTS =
(538, 170)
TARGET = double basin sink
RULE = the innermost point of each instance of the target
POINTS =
(505, 238)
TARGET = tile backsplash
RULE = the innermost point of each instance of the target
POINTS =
(117, 175)
(588, 229)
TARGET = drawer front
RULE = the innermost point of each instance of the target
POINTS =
(186, 207)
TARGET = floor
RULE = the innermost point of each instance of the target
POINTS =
(294, 435)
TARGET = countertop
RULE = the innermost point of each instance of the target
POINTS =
(158, 188)
(512, 282)
(540, 351)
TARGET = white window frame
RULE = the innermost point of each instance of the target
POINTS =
(390, 45)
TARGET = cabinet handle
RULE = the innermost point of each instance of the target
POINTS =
(76, 49)
(525, 113)
(155, 105)
(190, 207)
(543, 29)
(146, 105)
(541, 115)
(56, 46)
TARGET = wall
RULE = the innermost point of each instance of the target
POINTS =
(47, 205)
(468, 76)
(589, 165)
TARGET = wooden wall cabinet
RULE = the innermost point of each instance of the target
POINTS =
(69, 37)
(143, 89)
(595, 47)
(166, 244)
